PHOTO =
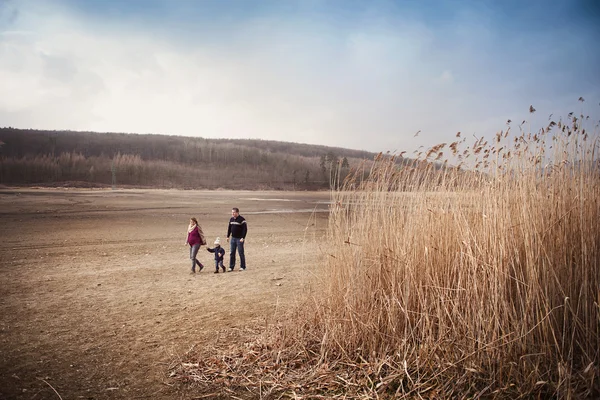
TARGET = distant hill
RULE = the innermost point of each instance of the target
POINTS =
(58, 158)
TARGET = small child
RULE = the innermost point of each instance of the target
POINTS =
(219, 253)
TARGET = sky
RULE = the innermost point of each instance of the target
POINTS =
(361, 75)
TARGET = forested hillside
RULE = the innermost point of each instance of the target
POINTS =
(35, 157)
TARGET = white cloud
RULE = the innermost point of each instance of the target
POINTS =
(369, 88)
(446, 77)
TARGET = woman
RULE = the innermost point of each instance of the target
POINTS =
(195, 238)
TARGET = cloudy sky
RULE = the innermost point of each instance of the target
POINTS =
(355, 74)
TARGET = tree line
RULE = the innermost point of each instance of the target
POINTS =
(42, 157)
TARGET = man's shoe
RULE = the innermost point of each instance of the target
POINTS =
(217, 271)
(242, 269)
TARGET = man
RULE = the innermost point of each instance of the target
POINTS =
(237, 229)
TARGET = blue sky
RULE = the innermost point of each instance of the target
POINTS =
(356, 74)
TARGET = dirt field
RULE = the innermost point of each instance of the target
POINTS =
(96, 297)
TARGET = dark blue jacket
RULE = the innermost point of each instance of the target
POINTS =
(219, 252)
(237, 227)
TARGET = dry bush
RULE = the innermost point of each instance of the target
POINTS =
(448, 282)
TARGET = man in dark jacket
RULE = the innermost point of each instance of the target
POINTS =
(237, 229)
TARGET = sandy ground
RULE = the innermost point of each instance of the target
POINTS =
(96, 298)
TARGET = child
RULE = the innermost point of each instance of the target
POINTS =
(219, 253)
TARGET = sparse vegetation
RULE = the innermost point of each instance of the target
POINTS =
(446, 282)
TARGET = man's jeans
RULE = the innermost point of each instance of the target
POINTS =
(234, 243)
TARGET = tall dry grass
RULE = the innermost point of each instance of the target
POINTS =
(480, 283)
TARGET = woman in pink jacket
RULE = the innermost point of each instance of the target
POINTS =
(195, 238)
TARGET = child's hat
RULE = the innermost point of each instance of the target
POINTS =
(218, 241)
